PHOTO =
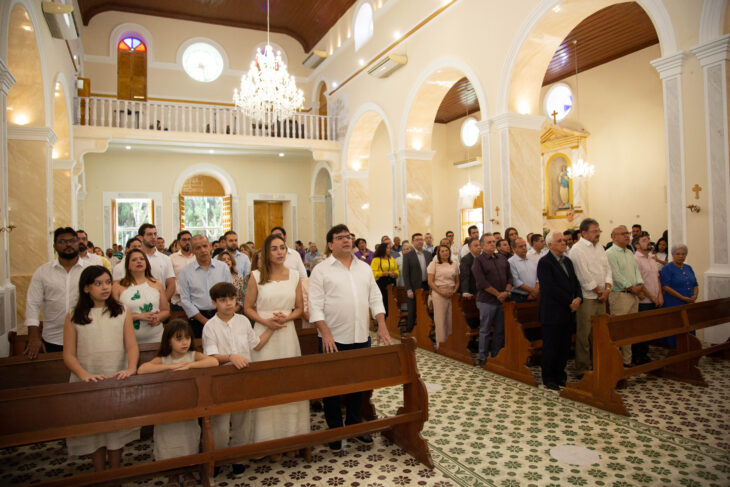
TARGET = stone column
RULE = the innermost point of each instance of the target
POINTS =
(7, 289)
(485, 127)
(417, 190)
(670, 72)
(398, 178)
(62, 212)
(30, 204)
(714, 57)
(520, 172)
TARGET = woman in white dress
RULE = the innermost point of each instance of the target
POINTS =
(144, 296)
(274, 300)
(99, 344)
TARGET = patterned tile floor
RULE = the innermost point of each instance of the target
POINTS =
(486, 430)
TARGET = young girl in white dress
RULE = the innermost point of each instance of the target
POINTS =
(273, 301)
(99, 344)
(177, 352)
(144, 296)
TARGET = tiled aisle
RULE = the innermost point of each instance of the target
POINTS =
(486, 430)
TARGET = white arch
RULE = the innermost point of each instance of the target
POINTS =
(711, 20)
(445, 62)
(5, 9)
(229, 186)
(362, 110)
(130, 28)
(654, 8)
(315, 93)
(321, 166)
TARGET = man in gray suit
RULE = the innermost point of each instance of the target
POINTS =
(414, 275)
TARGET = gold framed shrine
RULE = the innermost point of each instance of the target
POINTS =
(563, 197)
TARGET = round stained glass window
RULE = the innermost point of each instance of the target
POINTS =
(469, 132)
(202, 62)
(558, 101)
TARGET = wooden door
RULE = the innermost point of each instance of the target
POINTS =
(266, 215)
(131, 75)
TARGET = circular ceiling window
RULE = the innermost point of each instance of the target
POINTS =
(469, 132)
(558, 101)
(202, 62)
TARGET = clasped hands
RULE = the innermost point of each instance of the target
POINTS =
(277, 321)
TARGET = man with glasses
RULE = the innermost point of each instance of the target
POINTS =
(594, 274)
(86, 251)
(180, 259)
(54, 288)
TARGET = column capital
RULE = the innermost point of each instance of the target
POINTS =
(413, 154)
(713, 52)
(7, 80)
(484, 127)
(517, 120)
(19, 132)
(670, 66)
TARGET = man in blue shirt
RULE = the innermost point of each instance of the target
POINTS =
(524, 273)
(195, 281)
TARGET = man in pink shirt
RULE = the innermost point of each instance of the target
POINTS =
(653, 298)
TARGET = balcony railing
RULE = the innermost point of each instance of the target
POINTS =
(197, 118)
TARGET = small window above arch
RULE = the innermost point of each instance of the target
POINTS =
(131, 44)
(363, 25)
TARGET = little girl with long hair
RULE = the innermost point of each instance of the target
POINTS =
(177, 352)
(99, 344)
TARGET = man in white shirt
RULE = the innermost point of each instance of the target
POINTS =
(180, 259)
(293, 260)
(473, 233)
(54, 287)
(243, 263)
(454, 246)
(160, 265)
(340, 313)
(524, 274)
(86, 253)
(537, 247)
(594, 275)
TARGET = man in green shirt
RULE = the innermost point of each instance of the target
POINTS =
(628, 286)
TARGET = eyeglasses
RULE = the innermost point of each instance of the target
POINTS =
(64, 241)
(108, 282)
(342, 237)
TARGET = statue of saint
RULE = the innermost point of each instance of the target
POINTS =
(564, 185)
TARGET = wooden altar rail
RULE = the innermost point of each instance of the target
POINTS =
(48, 368)
(456, 345)
(396, 297)
(511, 361)
(611, 332)
(51, 412)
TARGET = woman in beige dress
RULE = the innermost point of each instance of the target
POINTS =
(99, 344)
(443, 279)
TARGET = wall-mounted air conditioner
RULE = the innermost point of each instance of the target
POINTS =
(315, 58)
(60, 20)
(474, 161)
(386, 66)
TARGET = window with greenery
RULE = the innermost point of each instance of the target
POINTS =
(129, 215)
(206, 215)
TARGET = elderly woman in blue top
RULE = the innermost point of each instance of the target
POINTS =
(678, 279)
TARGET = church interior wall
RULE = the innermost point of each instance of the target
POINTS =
(154, 171)
(620, 105)
(380, 188)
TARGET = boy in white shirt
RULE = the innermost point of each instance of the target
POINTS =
(229, 337)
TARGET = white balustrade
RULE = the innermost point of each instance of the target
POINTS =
(197, 118)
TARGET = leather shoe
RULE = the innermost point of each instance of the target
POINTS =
(365, 439)
(238, 468)
(552, 386)
(336, 445)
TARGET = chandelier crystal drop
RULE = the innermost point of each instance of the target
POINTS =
(581, 170)
(469, 190)
(268, 88)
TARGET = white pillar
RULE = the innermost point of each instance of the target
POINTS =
(714, 57)
(398, 179)
(485, 134)
(670, 72)
(7, 290)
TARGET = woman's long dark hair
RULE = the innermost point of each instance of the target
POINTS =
(176, 327)
(265, 268)
(83, 307)
(127, 280)
(380, 251)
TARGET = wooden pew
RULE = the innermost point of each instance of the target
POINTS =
(51, 412)
(48, 368)
(424, 322)
(611, 332)
(396, 297)
(511, 361)
(456, 345)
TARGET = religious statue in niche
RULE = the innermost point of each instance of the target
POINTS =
(558, 186)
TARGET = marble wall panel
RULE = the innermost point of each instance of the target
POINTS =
(419, 196)
(21, 283)
(358, 209)
(319, 221)
(525, 180)
(61, 198)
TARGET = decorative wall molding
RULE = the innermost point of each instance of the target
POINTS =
(711, 19)
(514, 120)
(670, 66)
(714, 51)
(7, 80)
(27, 132)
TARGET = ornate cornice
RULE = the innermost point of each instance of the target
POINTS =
(24, 132)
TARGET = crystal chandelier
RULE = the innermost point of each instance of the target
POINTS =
(581, 170)
(268, 87)
(469, 190)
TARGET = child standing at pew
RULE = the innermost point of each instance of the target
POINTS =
(177, 352)
(99, 344)
(229, 337)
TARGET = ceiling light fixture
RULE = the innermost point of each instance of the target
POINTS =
(281, 154)
(267, 87)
